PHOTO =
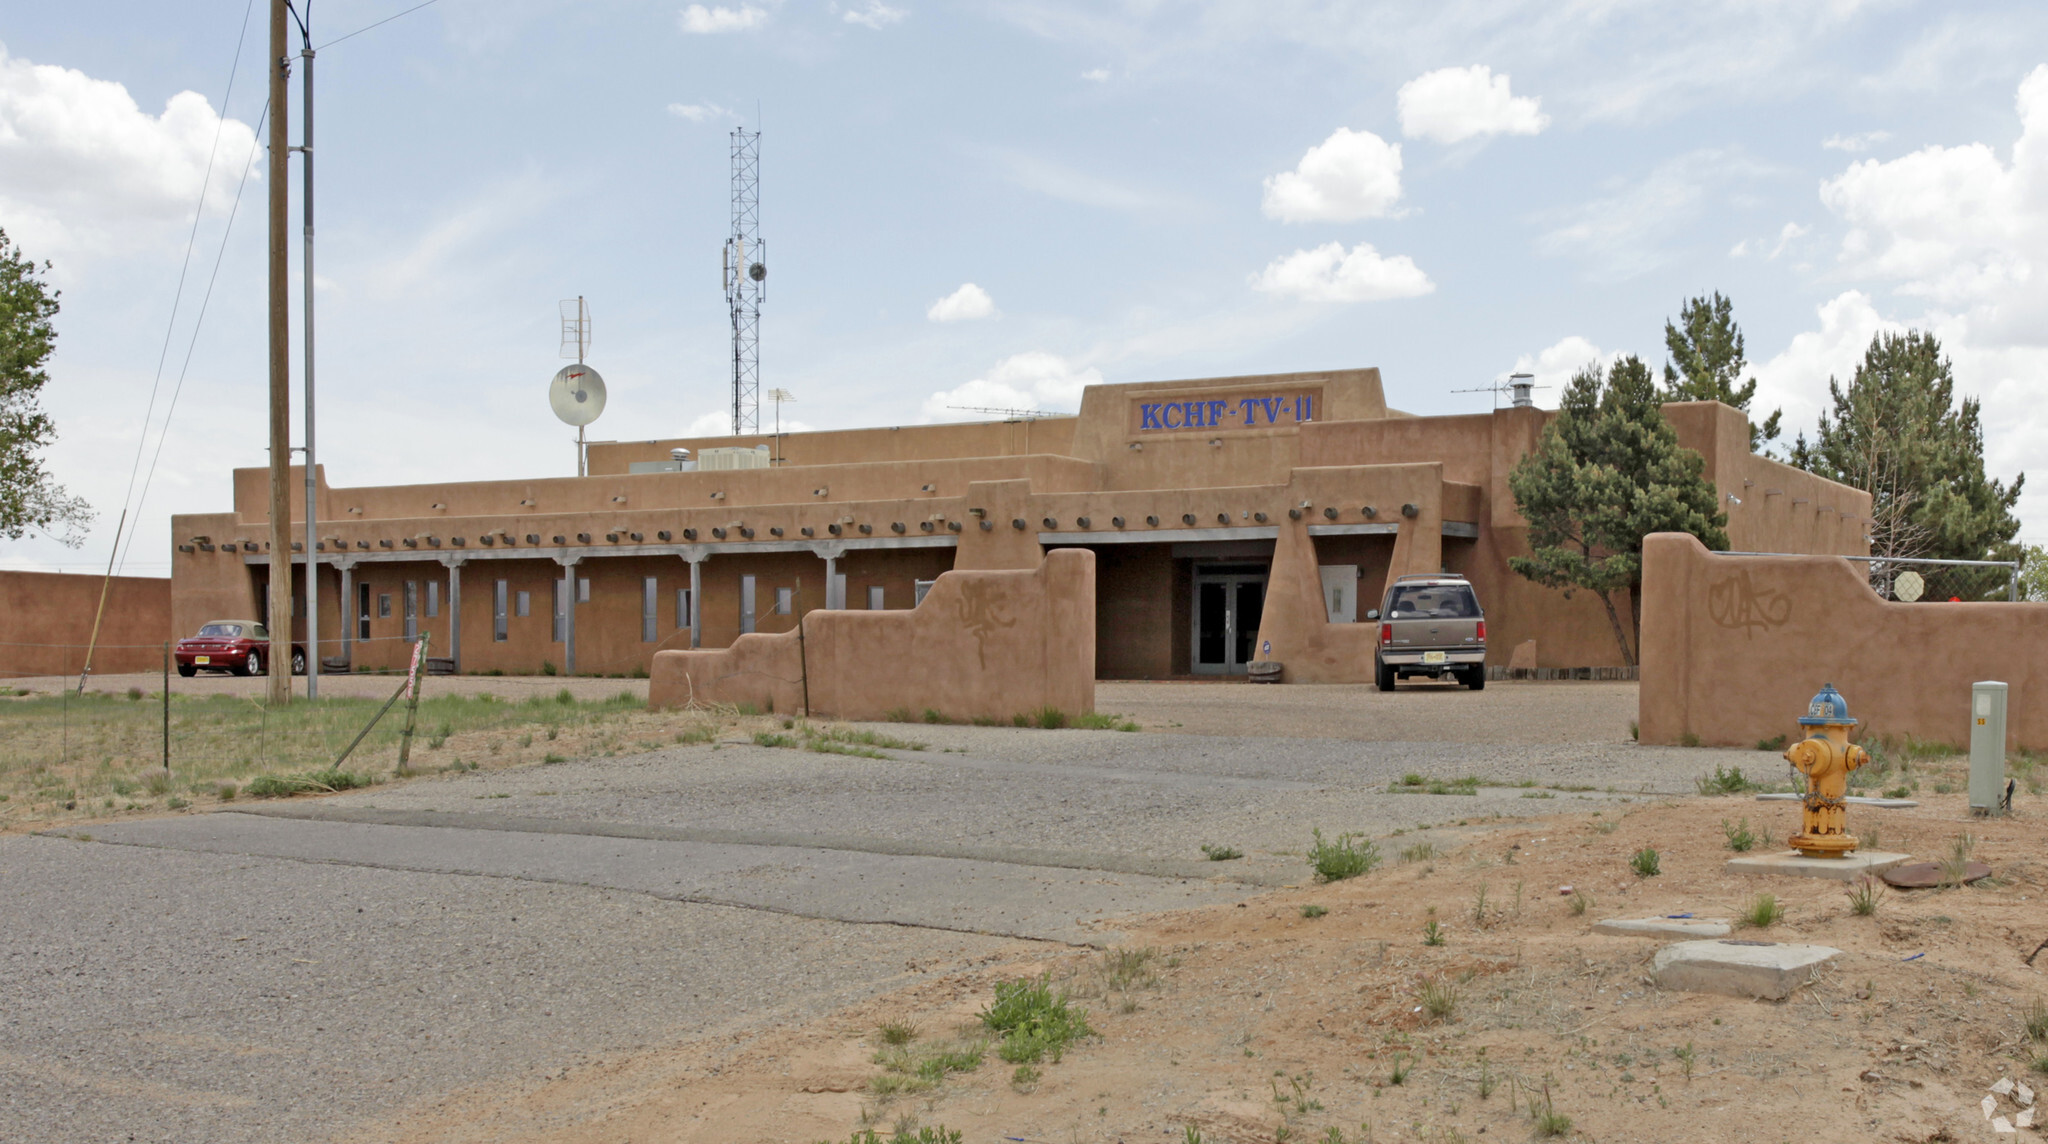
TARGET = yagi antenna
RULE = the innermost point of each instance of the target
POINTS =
(575, 328)
(1518, 384)
(1012, 414)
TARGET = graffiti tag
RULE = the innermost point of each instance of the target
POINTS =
(1737, 603)
(980, 615)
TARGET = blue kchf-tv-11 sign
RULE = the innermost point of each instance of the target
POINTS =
(1226, 413)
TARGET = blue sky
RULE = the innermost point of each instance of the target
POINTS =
(1135, 191)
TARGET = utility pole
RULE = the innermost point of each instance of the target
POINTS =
(312, 491)
(280, 617)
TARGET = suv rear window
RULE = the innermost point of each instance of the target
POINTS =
(1434, 602)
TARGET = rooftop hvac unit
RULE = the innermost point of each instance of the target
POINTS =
(717, 460)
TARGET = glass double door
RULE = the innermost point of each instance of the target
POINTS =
(1226, 619)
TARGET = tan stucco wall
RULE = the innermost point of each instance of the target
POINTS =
(1734, 647)
(983, 644)
(46, 622)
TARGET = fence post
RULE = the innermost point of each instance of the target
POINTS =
(167, 707)
(412, 700)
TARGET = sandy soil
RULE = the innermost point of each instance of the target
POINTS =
(1260, 1024)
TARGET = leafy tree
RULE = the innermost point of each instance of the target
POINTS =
(29, 500)
(2034, 574)
(1609, 471)
(1898, 433)
(1706, 348)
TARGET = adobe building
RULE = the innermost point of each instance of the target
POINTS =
(1232, 519)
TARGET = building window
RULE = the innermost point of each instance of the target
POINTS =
(362, 611)
(522, 605)
(383, 608)
(412, 609)
(785, 601)
(682, 608)
(746, 604)
(582, 591)
(561, 610)
(499, 628)
(648, 610)
(875, 598)
(917, 590)
(433, 598)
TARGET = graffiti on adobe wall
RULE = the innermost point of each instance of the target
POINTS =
(981, 614)
(1738, 603)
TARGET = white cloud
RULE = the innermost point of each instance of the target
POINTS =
(1957, 225)
(1554, 366)
(699, 112)
(1033, 381)
(83, 168)
(699, 20)
(1349, 176)
(1790, 232)
(1099, 75)
(1329, 274)
(1739, 250)
(963, 305)
(1796, 380)
(1862, 141)
(876, 15)
(1451, 105)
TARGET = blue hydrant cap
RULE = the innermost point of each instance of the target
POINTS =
(1827, 707)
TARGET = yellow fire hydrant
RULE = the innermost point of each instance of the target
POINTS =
(1825, 757)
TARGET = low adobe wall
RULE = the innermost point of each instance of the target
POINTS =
(46, 622)
(982, 645)
(1735, 646)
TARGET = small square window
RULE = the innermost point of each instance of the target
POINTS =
(383, 605)
(785, 601)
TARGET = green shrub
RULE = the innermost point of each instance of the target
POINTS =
(1097, 721)
(1741, 838)
(1762, 911)
(1724, 781)
(1646, 863)
(1221, 853)
(1341, 859)
(1033, 1021)
(1312, 910)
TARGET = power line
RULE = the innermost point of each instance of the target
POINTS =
(184, 267)
(199, 321)
(378, 24)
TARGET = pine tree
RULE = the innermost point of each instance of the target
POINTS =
(1609, 471)
(29, 500)
(1898, 433)
(1707, 349)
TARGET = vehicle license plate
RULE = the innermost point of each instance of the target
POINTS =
(1432, 657)
(202, 659)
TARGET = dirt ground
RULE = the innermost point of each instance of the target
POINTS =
(1257, 1023)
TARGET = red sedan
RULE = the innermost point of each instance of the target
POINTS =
(236, 646)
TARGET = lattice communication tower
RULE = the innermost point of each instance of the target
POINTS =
(745, 275)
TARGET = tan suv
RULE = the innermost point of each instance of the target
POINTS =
(1430, 625)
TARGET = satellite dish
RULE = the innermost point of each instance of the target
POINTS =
(577, 394)
(757, 272)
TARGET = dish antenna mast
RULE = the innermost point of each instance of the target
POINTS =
(744, 274)
(577, 393)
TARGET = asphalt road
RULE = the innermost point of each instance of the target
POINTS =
(296, 973)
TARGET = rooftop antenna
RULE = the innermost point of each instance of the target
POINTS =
(778, 396)
(1517, 384)
(1011, 414)
(744, 274)
(577, 392)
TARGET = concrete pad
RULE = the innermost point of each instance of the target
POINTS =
(1847, 868)
(1852, 800)
(1663, 927)
(1739, 968)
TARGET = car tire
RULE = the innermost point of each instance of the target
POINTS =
(188, 670)
(1383, 676)
(252, 665)
(1475, 678)
(298, 661)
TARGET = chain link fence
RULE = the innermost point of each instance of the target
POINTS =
(1914, 580)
